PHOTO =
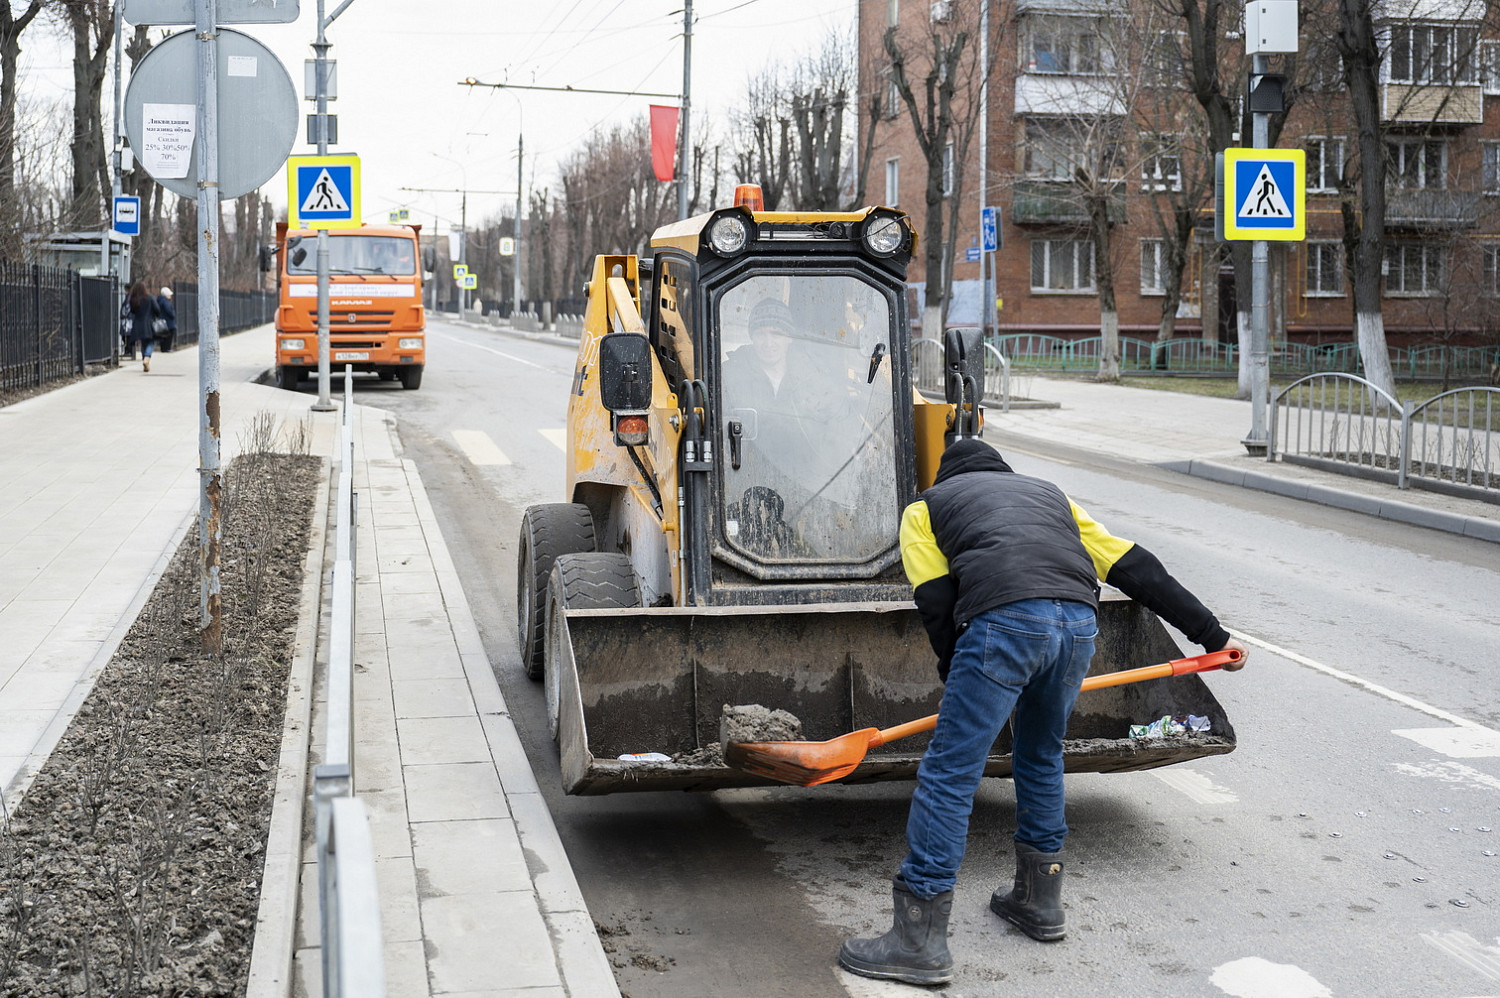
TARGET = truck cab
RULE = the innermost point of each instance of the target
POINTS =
(376, 321)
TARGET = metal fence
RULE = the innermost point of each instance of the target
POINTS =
(53, 323)
(1039, 352)
(1339, 422)
(238, 310)
(928, 374)
(348, 900)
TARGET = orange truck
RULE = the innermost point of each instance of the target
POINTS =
(376, 321)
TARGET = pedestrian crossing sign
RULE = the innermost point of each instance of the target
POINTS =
(323, 192)
(1264, 194)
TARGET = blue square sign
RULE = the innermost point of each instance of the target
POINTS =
(323, 192)
(127, 216)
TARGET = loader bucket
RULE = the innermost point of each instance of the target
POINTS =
(655, 680)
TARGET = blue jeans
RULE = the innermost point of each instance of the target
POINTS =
(1028, 657)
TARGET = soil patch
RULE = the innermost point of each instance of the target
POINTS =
(133, 864)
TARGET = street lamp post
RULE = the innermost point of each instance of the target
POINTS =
(463, 224)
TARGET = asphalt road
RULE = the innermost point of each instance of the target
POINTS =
(1344, 848)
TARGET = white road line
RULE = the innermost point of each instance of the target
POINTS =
(1253, 977)
(1450, 772)
(1483, 960)
(497, 353)
(1195, 785)
(557, 437)
(1455, 743)
(479, 448)
(1365, 684)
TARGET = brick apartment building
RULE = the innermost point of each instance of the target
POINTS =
(1101, 84)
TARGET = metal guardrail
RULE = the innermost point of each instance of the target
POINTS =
(348, 901)
(928, 374)
(1339, 422)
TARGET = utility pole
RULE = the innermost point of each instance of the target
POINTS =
(686, 153)
(210, 526)
(114, 155)
(1260, 292)
(988, 320)
(515, 291)
(320, 78)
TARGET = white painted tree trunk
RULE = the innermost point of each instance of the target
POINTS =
(1243, 332)
(1109, 346)
(1370, 329)
(932, 323)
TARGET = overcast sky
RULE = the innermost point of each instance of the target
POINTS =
(401, 107)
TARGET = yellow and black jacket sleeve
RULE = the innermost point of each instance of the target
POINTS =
(934, 589)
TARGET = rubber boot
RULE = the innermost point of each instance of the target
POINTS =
(915, 951)
(1034, 904)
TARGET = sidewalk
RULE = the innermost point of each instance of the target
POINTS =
(477, 895)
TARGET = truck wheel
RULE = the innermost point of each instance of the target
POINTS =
(546, 532)
(595, 581)
(411, 378)
(288, 377)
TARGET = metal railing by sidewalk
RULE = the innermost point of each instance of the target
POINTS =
(1449, 443)
(928, 374)
(54, 322)
(238, 310)
(348, 900)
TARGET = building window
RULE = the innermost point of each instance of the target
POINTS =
(1164, 62)
(1058, 44)
(1062, 265)
(893, 182)
(1489, 66)
(1413, 269)
(892, 96)
(1491, 153)
(1057, 148)
(1417, 163)
(948, 170)
(1161, 163)
(1325, 269)
(1325, 164)
(1153, 267)
(1491, 269)
(1433, 53)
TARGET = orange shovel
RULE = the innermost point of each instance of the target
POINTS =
(807, 764)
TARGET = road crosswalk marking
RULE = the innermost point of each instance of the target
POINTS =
(557, 436)
(1195, 785)
(1456, 743)
(479, 448)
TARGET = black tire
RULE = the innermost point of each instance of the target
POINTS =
(288, 377)
(546, 532)
(411, 378)
(593, 581)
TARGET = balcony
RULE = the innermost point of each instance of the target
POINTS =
(1071, 95)
(1430, 209)
(1052, 202)
(1443, 104)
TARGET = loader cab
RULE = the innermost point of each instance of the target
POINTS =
(793, 328)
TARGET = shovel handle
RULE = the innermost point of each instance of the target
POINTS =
(1206, 662)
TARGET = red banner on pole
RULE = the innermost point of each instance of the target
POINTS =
(663, 140)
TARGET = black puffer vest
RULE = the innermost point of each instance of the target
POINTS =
(1007, 537)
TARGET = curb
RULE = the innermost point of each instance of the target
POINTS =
(1385, 509)
(273, 947)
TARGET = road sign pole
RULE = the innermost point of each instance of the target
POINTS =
(324, 403)
(1260, 294)
(210, 529)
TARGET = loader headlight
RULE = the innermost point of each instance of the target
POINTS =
(884, 234)
(729, 234)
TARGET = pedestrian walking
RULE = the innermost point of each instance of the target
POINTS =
(168, 321)
(141, 315)
(1006, 570)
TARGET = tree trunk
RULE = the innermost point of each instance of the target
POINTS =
(1109, 346)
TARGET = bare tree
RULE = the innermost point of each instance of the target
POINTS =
(763, 128)
(91, 23)
(11, 26)
(942, 60)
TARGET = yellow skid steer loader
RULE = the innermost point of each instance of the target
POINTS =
(742, 438)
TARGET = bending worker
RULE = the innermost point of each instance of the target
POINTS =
(1005, 568)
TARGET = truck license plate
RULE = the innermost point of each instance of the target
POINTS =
(352, 355)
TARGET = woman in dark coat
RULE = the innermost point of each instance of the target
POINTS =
(141, 308)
